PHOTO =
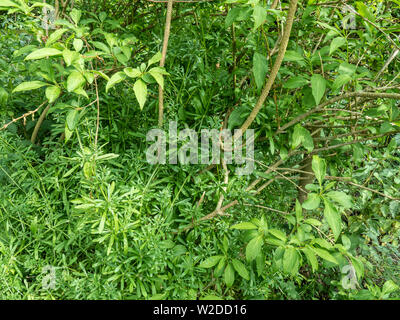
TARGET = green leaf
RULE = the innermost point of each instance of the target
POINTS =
(56, 35)
(291, 261)
(69, 56)
(312, 202)
(140, 89)
(259, 16)
(75, 15)
(310, 255)
(260, 69)
(3, 96)
(210, 262)
(116, 78)
(31, 85)
(240, 269)
(389, 287)
(75, 80)
(347, 68)
(158, 77)
(132, 72)
(52, 93)
(72, 119)
(324, 254)
(336, 43)
(78, 44)
(302, 136)
(340, 81)
(232, 15)
(229, 275)
(244, 226)
(154, 59)
(293, 56)
(340, 197)
(253, 248)
(295, 82)
(318, 86)
(363, 10)
(319, 167)
(43, 53)
(299, 212)
(333, 218)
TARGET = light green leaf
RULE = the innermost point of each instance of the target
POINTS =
(210, 262)
(291, 261)
(293, 56)
(336, 43)
(260, 69)
(154, 59)
(52, 93)
(43, 53)
(295, 82)
(31, 85)
(333, 218)
(324, 254)
(340, 81)
(311, 258)
(75, 80)
(259, 16)
(319, 167)
(78, 44)
(140, 89)
(3, 96)
(75, 15)
(364, 11)
(72, 119)
(312, 202)
(158, 77)
(116, 78)
(229, 275)
(299, 212)
(340, 197)
(253, 248)
(244, 226)
(318, 86)
(132, 72)
(389, 287)
(56, 35)
(240, 269)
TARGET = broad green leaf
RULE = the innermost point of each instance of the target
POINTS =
(253, 248)
(318, 86)
(324, 254)
(7, 3)
(52, 93)
(210, 262)
(116, 78)
(295, 82)
(43, 53)
(69, 56)
(56, 35)
(302, 136)
(154, 59)
(76, 15)
(231, 16)
(319, 167)
(244, 226)
(336, 43)
(240, 269)
(132, 72)
(140, 89)
(312, 259)
(31, 85)
(229, 275)
(340, 197)
(158, 77)
(259, 16)
(364, 11)
(389, 287)
(291, 261)
(358, 266)
(75, 80)
(278, 234)
(260, 69)
(312, 202)
(333, 218)
(347, 68)
(72, 119)
(160, 70)
(78, 44)
(293, 56)
(340, 81)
